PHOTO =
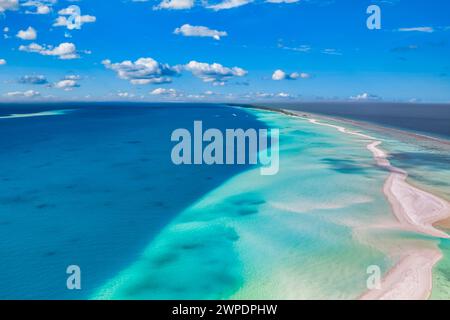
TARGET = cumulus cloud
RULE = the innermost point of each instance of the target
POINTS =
(8, 5)
(267, 95)
(125, 95)
(28, 34)
(64, 51)
(175, 4)
(25, 94)
(34, 79)
(66, 84)
(199, 31)
(39, 7)
(165, 92)
(142, 71)
(63, 21)
(215, 73)
(365, 97)
(281, 75)
(2, 62)
(72, 77)
(229, 4)
(5, 32)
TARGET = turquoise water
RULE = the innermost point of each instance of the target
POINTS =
(427, 162)
(289, 236)
(92, 187)
(428, 165)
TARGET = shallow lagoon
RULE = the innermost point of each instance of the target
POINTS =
(289, 236)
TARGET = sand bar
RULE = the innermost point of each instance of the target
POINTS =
(416, 210)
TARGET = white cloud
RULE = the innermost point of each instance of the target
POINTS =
(281, 75)
(39, 7)
(229, 4)
(165, 92)
(302, 48)
(72, 77)
(199, 31)
(331, 52)
(175, 4)
(66, 84)
(215, 73)
(125, 95)
(417, 29)
(63, 21)
(33, 79)
(142, 71)
(26, 94)
(2, 62)
(64, 51)
(8, 5)
(5, 31)
(267, 95)
(365, 97)
(28, 34)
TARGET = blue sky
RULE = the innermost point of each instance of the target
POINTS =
(224, 50)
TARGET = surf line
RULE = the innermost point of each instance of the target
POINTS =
(416, 210)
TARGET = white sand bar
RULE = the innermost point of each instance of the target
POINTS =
(416, 210)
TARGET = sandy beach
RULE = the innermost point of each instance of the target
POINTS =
(416, 210)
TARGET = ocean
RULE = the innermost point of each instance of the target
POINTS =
(92, 186)
(428, 119)
(288, 236)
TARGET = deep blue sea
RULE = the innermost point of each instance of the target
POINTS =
(92, 187)
(428, 119)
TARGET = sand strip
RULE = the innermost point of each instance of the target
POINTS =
(416, 210)
(410, 279)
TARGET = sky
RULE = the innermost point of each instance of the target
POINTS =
(224, 50)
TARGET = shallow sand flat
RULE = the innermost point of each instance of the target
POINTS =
(292, 236)
(410, 279)
(416, 210)
(276, 237)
